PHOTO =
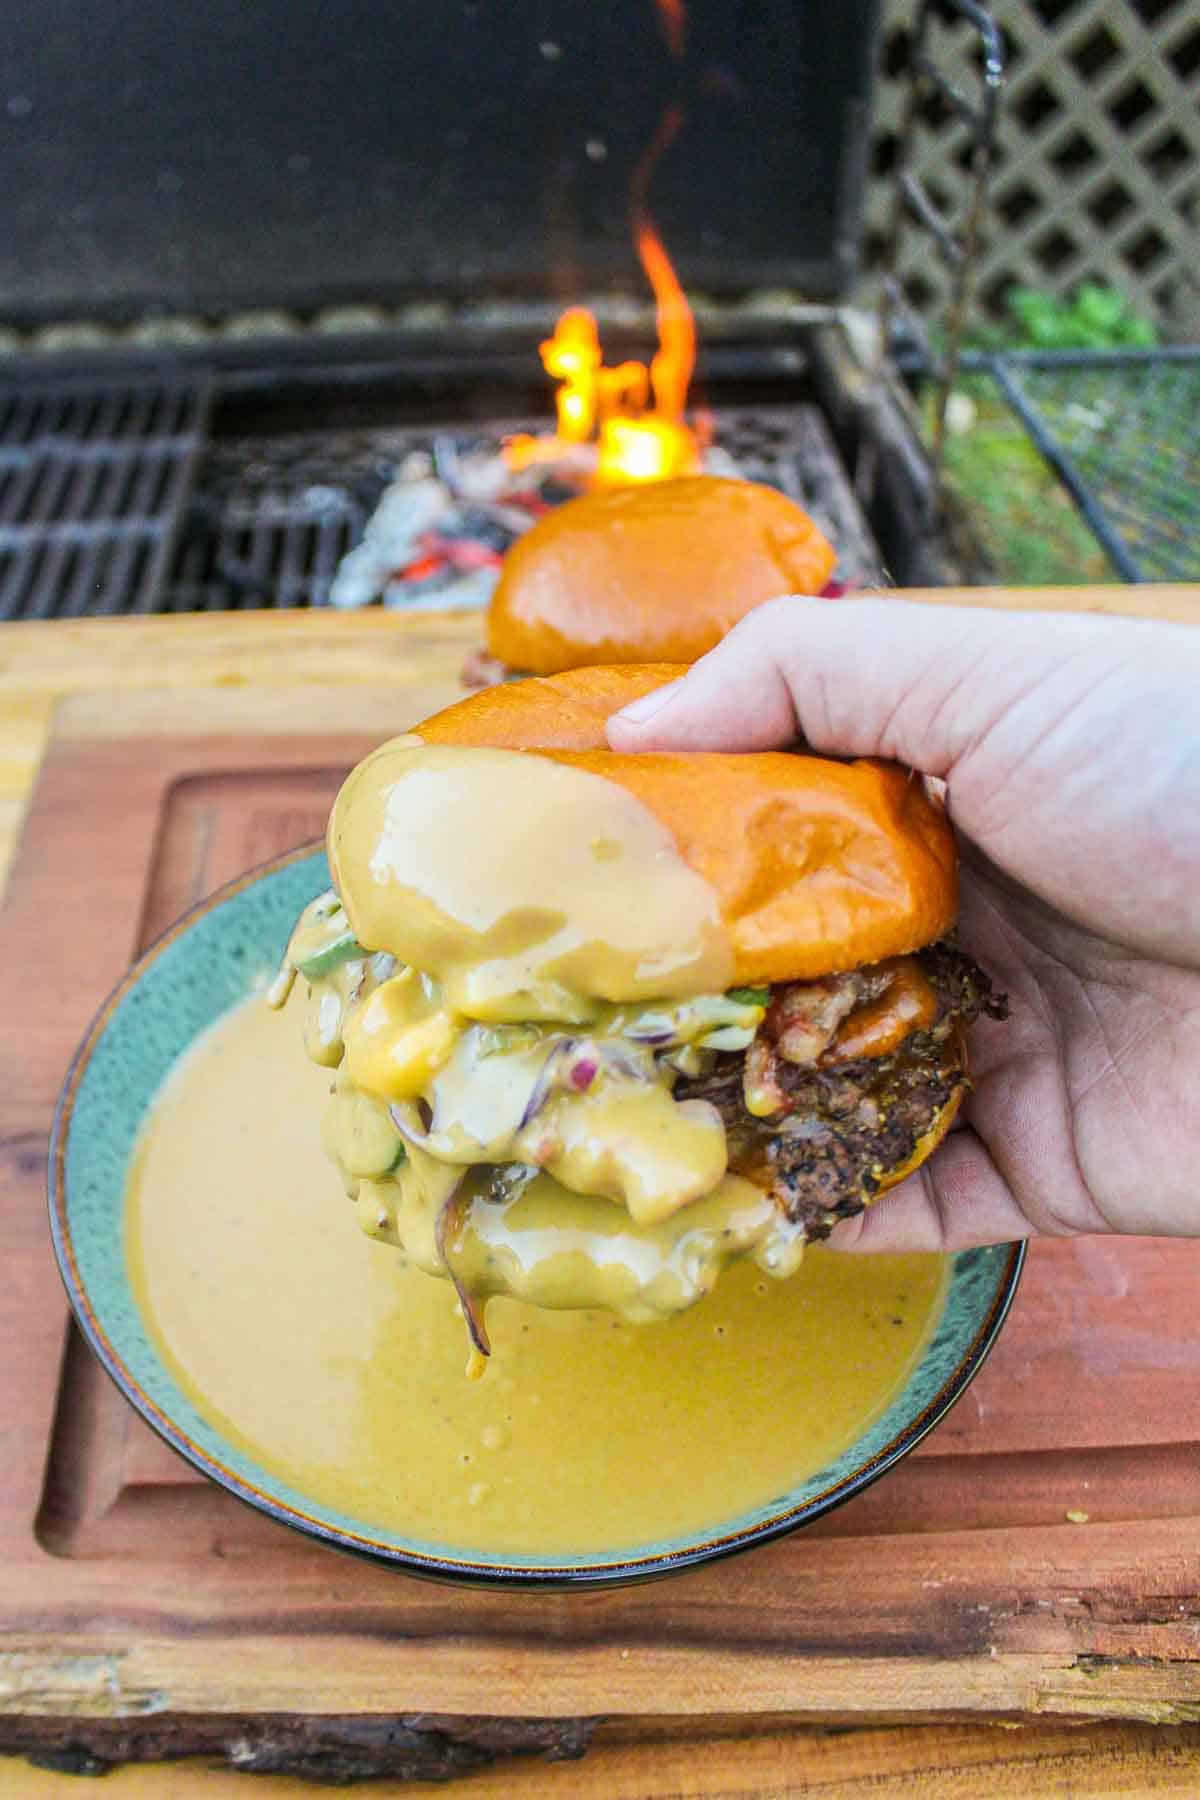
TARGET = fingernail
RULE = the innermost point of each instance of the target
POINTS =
(639, 712)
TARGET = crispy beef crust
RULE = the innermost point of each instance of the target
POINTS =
(826, 1154)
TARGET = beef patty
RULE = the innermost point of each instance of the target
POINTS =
(816, 1118)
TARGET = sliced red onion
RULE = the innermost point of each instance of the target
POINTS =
(406, 1117)
(401, 1118)
(570, 1063)
(448, 1220)
(616, 1061)
(653, 1029)
(544, 1086)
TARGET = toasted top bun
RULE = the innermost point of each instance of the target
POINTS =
(818, 866)
(653, 573)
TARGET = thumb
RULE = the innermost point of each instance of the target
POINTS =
(867, 677)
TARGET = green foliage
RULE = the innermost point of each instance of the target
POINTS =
(1094, 318)
(1026, 522)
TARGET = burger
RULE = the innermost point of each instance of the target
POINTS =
(650, 573)
(602, 1023)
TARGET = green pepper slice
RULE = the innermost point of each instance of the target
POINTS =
(749, 996)
(339, 949)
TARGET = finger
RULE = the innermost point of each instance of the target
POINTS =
(1028, 717)
(957, 1201)
(735, 698)
(869, 677)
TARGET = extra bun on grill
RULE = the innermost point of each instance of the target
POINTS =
(818, 866)
(650, 573)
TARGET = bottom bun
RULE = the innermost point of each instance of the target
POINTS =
(926, 1145)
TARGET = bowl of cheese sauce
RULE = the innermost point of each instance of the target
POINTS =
(215, 1265)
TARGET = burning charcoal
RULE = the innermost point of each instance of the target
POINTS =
(463, 593)
(418, 465)
(554, 491)
(358, 579)
(407, 509)
(491, 527)
(467, 553)
(717, 461)
(482, 475)
(529, 504)
(429, 569)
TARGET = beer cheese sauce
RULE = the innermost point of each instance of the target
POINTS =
(337, 1362)
(523, 884)
(518, 967)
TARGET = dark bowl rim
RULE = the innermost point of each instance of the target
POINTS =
(457, 1570)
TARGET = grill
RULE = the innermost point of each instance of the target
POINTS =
(271, 517)
(94, 481)
(223, 474)
(242, 483)
(228, 472)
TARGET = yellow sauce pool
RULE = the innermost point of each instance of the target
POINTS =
(340, 1368)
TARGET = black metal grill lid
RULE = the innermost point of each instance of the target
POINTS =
(209, 158)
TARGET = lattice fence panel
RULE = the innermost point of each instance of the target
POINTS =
(1098, 159)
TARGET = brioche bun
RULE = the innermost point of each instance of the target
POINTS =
(818, 866)
(651, 573)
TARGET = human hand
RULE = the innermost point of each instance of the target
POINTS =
(1070, 749)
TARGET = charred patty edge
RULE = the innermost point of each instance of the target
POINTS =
(846, 1133)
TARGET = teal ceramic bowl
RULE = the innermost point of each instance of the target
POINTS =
(211, 960)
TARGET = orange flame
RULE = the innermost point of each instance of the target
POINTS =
(655, 446)
(610, 405)
(672, 16)
(589, 392)
(671, 369)
(634, 441)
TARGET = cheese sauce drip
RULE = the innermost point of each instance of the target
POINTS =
(522, 967)
(527, 888)
(336, 1364)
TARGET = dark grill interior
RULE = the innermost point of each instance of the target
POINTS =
(197, 493)
(271, 517)
(94, 480)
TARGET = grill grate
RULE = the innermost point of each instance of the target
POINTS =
(1122, 431)
(93, 483)
(272, 517)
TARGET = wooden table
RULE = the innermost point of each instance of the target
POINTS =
(290, 661)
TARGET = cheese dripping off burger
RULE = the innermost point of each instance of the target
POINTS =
(603, 1022)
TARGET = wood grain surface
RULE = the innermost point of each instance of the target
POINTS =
(41, 662)
(131, 1592)
(922, 1762)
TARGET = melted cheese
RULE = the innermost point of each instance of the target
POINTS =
(337, 1364)
(526, 888)
(560, 1249)
(543, 942)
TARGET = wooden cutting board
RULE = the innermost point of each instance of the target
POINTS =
(131, 1590)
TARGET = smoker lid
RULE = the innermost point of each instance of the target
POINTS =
(223, 156)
